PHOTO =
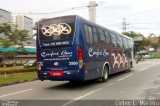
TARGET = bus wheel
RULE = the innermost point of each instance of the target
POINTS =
(105, 74)
(129, 68)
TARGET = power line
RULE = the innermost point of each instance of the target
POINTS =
(61, 11)
(145, 23)
(135, 14)
(148, 28)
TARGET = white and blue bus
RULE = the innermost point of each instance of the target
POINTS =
(72, 48)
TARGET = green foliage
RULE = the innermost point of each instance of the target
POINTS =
(12, 37)
(10, 71)
(145, 42)
(5, 43)
(155, 45)
(132, 34)
(140, 44)
(10, 54)
(17, 78)
(5, 28)
(156, 55)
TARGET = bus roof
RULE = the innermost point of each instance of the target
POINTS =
(94, 24)
(45, 19)
(104, 28)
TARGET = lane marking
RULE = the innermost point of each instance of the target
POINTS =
(94, 91)
(88, 94)
(143, 69)
(125, 77)
(15, 93)
(80, 97)
(110, 84)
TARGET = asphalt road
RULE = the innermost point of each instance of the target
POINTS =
(142, 83)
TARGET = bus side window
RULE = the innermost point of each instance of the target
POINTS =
(113, 39)
(107, 37)
(119, 41)
(130, 44)
(95, 36)
(102, 36)
(125, 44)
(86, 33)
(90, 35)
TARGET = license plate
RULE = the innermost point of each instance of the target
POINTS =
(57, 73)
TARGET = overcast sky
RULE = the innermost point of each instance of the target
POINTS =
(142, 15)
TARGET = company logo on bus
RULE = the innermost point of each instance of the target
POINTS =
(56, 63)
(119, 60)
(56, 29)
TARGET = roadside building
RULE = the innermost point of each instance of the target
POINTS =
(24, 23)
(21, 23)
(5, 16)
(20, 58)
(153, 39)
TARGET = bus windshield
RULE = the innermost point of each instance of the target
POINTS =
(57, 29)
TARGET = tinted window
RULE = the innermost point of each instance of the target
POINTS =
(119, 41)
(113, 39)
(95, 36)
(86, 33)
(125, 44)
(90, 34)
(130, 44)
(56, 29)
(102, 35)
(107, 36)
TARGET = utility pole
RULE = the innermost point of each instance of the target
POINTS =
(92, 11)
(124, 25)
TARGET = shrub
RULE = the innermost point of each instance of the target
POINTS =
(11, 71)
(156, 55)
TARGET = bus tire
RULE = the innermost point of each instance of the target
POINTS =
(129, 67)
(105, 74)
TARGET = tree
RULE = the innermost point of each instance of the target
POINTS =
(155, 45)
(12, 38)
(151, 34)
(145, 42)
(138, 45)
(5, 28)
(21, 36)
(6, 35)
(132, 34)
(5, 42)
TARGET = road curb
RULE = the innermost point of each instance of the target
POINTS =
(18, 82)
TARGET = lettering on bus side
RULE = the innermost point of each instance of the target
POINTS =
(59, 54)
(55, 44)
(97, 53)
